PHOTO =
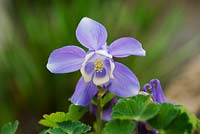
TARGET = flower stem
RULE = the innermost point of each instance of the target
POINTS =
(99, 112)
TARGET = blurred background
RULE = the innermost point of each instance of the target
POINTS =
(31, 29)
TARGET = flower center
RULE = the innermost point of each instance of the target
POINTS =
(98, 65)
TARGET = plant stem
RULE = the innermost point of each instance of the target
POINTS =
(99, 112)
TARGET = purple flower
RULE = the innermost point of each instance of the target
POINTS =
(97, 66)
(107, 110)
(154, 87)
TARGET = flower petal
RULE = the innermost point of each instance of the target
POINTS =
(91, 34)
(84, 93)
(101, 78)
(124, 83)
(89, 67)
(66, 59)
(126, 46)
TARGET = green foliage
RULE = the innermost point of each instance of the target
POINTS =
(173, 119)
(74, 113)
(52, 119)
(198, 125)
(192, 117)
(180, 125)
(75, 127)
(53, 131)
(68, 127)
(167, 113)
(119, 127)
(166, 118)
(139, 108)
(10, 128)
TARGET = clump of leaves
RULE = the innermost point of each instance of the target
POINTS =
(165, 118)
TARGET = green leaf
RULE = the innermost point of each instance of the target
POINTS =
(198, 125)
(53, 118)
(139, 108)
(73, 127)
(168, 112)
(192, 117)
(10, 128)
(74, 113)
(119, 127)
(180, 125)
(53, 131)
(173, 119)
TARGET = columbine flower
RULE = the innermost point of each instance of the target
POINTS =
(154, 87)
(97, 66)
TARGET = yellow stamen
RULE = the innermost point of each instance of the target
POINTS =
(98, 65)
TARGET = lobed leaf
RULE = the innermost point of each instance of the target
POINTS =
(168, 112)
(173, 119)
(119, 127)
(53, 131)
(52, 119)
(180, 125)
(74, 113)
(139, 108)
(73, 127)
(198, 125)
(10, 128)
(68, 127)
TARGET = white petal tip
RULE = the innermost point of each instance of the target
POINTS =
(143, 52)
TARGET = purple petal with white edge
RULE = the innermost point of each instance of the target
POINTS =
(89, 67)
(124, 83)
(66, 59)
(126, 46)
(157, 91)
(91, 34)
(84, 93)
(101, 77)
(88, 71)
